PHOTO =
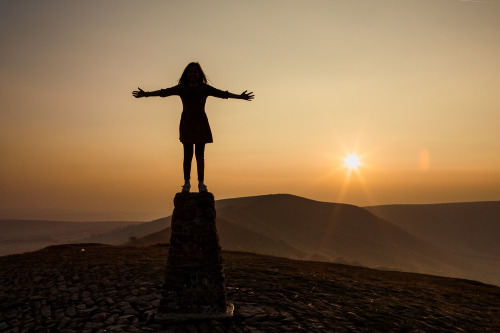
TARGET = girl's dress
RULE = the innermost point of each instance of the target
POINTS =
(194, 126)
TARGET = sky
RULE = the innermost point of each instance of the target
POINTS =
(410, 87)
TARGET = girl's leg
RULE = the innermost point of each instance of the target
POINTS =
(200, 161)
(188, 157)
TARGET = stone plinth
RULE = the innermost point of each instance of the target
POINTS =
(194, 283)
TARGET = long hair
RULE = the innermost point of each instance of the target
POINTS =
(184, 77)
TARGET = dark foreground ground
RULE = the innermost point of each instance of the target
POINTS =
(117, 289)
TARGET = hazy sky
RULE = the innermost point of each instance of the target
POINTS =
(410, 86)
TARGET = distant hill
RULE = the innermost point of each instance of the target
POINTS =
(120, 236)
(27, 235)
(234, 237)
(73, 215)
(470, 228)
(457, 239)
(334, 232)
(294, 227)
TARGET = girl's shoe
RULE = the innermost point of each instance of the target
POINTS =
(202, 187)
(186, 187)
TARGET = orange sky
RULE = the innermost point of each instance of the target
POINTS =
(410, 86)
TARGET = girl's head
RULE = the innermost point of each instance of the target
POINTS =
(193, 74)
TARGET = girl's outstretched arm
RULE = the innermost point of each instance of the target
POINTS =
(163, 92)
(244, 95)
(141, 93)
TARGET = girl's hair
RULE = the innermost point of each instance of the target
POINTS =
(184, 77)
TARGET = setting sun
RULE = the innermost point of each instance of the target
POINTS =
(352, 161)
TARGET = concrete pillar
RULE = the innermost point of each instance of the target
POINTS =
(194, 283)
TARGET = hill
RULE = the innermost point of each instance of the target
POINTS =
(468, 228)
(120, 236)
(458, 240)
(333, 231)
(110, 288)
(470, 231)
(299, 228)
(232, 237)
(27, 235)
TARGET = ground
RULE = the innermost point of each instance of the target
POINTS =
(95, 288)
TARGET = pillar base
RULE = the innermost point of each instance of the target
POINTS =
(168, 318)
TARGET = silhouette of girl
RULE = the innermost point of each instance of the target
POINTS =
(194, 128)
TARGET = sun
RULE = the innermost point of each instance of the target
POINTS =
(352, 161)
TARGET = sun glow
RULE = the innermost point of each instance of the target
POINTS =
(352, 161)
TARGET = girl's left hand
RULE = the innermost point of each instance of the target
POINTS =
(247, 96)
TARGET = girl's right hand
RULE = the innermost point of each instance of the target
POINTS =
(139, 93)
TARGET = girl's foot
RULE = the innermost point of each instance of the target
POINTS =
(186, 187)
(202, 187)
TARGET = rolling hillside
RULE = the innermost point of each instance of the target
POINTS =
(333, 232)
(27, 235)
(299, 228)
(470, 231)
(470, 228)
(120, 236)
(458, 240)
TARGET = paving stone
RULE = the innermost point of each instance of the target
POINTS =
(45, 311)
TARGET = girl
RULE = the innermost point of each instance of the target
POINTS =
(194, 128)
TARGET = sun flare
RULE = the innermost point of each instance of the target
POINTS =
(352, 161)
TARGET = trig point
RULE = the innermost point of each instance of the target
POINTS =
(194, 283)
